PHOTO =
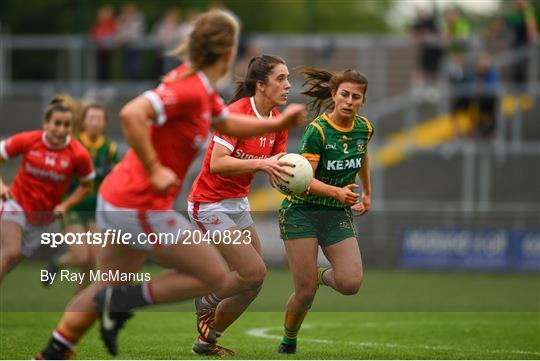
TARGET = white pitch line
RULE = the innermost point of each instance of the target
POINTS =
(263, 333)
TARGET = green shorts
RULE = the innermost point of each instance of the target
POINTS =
(83, 212)
(81, 218)
(329, 225)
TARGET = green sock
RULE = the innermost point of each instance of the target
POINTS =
(290, 336)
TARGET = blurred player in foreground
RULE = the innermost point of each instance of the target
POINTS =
(33, 202)
(218, 203)
(82, 217)
(138, 195)
(335, 144)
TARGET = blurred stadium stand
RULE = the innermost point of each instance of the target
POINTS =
(422, 178)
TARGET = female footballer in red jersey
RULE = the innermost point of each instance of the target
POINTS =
(31, 205)
(218, 203)
(82, 218)
(137, 196)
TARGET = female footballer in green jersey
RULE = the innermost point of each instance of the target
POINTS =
(82, 217)
(335, 144)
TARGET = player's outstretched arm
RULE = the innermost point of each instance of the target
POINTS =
(78, 195)
(224, 164)
(134, 116)
(241, 126)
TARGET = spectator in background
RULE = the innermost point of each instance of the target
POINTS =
(456, 30)
(242, 42)
(187, 25)
(485, 85)
(456, 36)
(521, 23)
(460, 91)
(130, 31)
(103, 33)
(241, 67)
(167, 34)
(425, 35)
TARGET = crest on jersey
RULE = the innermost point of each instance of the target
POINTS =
(64, 163)
(214, 220)
(361, 146)
(171, 222)
(50, 160)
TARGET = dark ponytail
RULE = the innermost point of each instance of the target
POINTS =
(64, 103)
(321, 83)
(259, 69)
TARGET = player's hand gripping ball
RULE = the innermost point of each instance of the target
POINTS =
(303, 175)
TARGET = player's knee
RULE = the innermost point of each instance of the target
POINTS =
(10, 255)
(87, 261)
(214, 277)
(349, 286)
(254, 278)
(82, 257)
(251, 294)
(306, 294)
(217, 279)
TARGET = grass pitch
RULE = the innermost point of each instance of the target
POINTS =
(396, 315)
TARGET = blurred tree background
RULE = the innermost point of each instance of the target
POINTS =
(287, 16)
(296, 16)
(258, 16)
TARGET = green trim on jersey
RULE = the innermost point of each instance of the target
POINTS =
(104, 154)
(339, 152)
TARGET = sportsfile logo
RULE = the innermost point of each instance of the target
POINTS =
(344, 164)
(120, 237)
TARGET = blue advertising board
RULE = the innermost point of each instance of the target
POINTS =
(440, 248)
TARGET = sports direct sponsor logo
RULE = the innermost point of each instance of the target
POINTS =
(45, 173)
(117, 236)
(344, 164)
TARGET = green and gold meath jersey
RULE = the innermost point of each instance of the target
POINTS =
(104, 154)
(339, 152)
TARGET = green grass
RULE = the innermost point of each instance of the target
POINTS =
(472, 316)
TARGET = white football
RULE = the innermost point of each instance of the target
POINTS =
(303, 175)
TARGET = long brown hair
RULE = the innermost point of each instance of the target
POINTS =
(321, 83)
(214, 34)
(64, 103)
(259, 69)
(57, 107)
(64, 100)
